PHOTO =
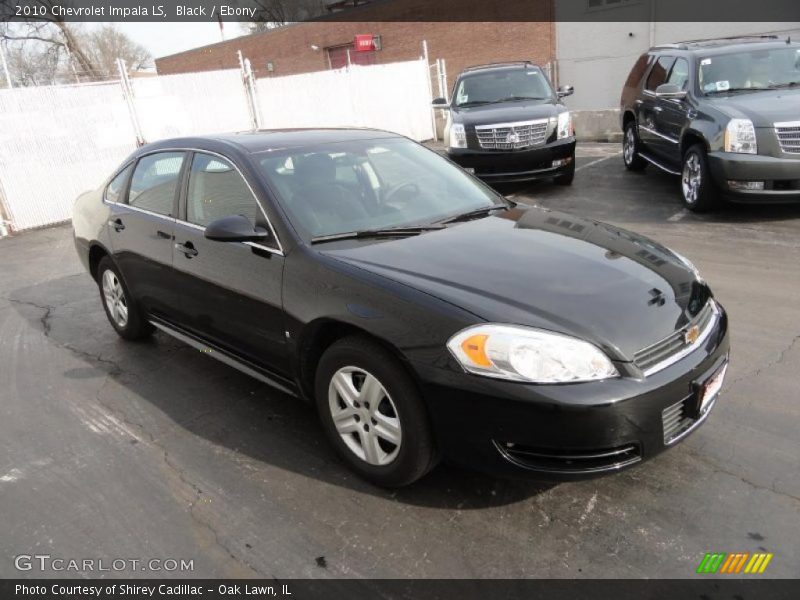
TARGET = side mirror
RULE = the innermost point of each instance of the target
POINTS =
(235, 228)
(440, 103)
(670, 91)
(565, 90)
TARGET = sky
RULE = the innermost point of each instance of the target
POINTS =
(162, 39)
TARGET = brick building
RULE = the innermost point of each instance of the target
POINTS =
(318, 45)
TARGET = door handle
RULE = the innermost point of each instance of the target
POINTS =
(117, 224)
(188, 249)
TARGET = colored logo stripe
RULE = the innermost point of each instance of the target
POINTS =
(720, 562)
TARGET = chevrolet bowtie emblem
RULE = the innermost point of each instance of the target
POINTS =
(690, 335)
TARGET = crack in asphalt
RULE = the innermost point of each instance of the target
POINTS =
(769, 364)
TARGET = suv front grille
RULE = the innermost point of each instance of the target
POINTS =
(665, 352)
(789, 136)
(512, 136)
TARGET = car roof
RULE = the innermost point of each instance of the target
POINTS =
(727, 45)
(264, 140)
(500, 66)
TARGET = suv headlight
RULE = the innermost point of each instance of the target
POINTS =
(458, 136)
(740, 136)
(564, 125)
(527, 354)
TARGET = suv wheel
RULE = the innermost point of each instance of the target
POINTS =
(121, 309)
(699, 193)
(373, 414)
(630, 149)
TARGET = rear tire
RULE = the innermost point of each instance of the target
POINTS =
(373, 414)
(697, 187)
(631, 147)
(569, 174)
(122, 310)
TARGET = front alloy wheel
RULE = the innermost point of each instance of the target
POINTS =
(699, 193)
(373, 413)
(365, 416)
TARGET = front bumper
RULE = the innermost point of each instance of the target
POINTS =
(569, 431)
(781, 176)
(503, 166)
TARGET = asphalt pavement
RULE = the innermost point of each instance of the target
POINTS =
(111, 449)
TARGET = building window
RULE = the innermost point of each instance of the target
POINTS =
(603, 4)
(337, 56)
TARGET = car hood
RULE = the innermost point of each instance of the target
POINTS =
(550, 270)
(507, 112)
(763, 108)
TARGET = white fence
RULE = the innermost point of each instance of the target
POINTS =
(57, 142)
(394, 96)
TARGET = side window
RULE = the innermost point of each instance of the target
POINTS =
(155, 182)
(116, 188)
(680, 73)
(217, 190)
(658, 74)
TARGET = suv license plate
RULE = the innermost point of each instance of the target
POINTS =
(711, 388)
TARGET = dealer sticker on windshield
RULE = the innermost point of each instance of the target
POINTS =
(712, 388)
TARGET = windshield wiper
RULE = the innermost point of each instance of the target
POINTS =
(512, 98)
(374, 233)
(737, 89)
(788, 84)
(473, 103)
(472, 214)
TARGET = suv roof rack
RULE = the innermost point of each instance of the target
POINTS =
(708, 42)
(510, 63)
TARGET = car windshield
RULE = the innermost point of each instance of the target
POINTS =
(503, 85)
(751, 70)
(366, 185)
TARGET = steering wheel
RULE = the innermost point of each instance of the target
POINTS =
(393, 191)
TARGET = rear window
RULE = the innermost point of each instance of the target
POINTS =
(638, 71)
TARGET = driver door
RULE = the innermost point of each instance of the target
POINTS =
(230, 291)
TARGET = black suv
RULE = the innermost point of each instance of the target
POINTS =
(506, 123)
(723, 114)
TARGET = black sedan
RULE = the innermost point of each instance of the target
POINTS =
(425, 315)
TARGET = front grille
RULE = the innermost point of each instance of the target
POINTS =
(789, 136)
(650, 358)
(676, 420)
(570, 461)
(512, 136)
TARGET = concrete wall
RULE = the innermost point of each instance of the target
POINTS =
(597, 57)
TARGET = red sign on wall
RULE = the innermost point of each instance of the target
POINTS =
(365, 43)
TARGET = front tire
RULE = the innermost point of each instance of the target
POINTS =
(373, 414)
(121, 309)
(631, 147)
(697, 187)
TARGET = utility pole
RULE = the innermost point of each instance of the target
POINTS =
(5, 67)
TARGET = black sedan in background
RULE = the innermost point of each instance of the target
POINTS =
(426, 316)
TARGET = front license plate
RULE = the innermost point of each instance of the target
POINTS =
(711, 388)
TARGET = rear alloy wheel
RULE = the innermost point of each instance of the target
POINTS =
(122, 311)
(373, 414)
(630, 149)
(699, 193)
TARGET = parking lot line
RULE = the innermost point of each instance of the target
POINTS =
(594, 162)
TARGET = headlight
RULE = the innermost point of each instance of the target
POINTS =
(458, 137)
(564, 125)
(740, 136)
(527, 354)
(689, 264)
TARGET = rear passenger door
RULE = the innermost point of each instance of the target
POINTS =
(230, 291)
(141, 225)
(649, 108)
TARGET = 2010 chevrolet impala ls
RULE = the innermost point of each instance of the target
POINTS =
(424, 314)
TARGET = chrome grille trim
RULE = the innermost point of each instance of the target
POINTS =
(495, 137)
(788, 136)
(677, 425)
(672, 348)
